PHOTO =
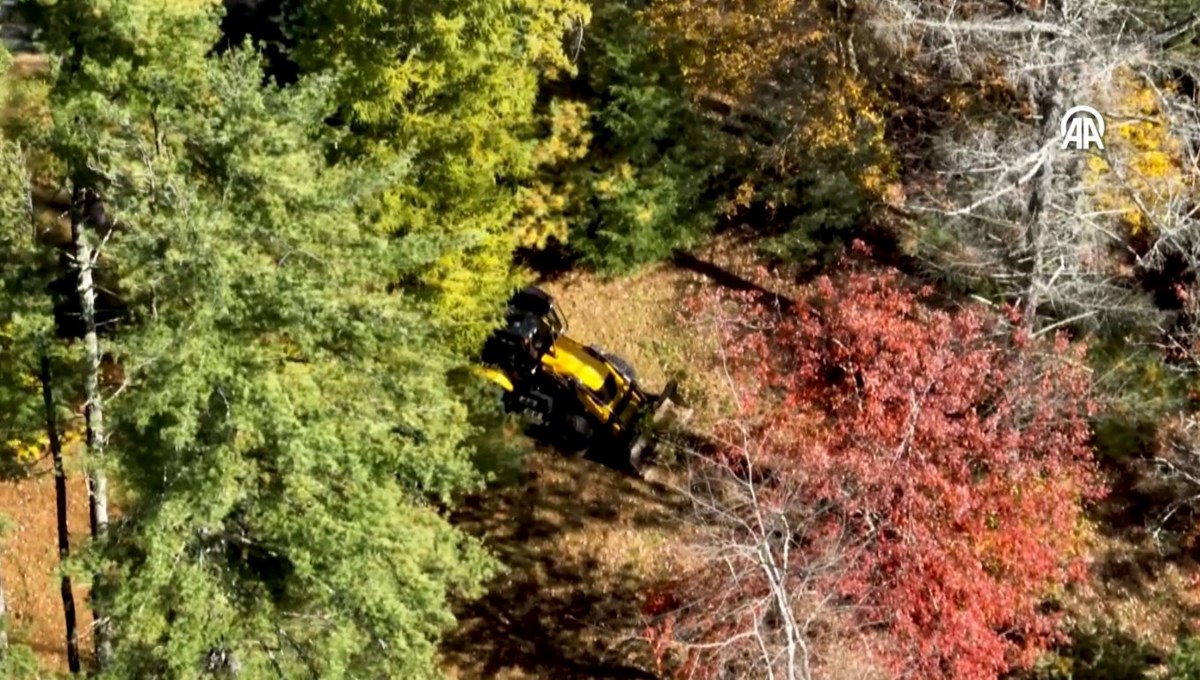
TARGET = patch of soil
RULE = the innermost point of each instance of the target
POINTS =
(30, 560)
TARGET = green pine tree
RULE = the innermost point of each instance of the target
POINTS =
(641, 185)
(285, 433)
(25, 308)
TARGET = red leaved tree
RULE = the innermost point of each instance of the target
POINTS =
(895, 474)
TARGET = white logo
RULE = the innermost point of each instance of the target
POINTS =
(1081, 131)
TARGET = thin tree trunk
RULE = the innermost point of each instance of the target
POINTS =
(3, 608)
(94, 407)
(60, 502)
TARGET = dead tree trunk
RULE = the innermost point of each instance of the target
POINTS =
(60, 502)
(85, 259)
(1050, 101)
(1014, 209)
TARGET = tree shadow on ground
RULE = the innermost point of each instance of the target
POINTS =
(1139, 599)
(1134, 501)
(883, 252)
(1140, 576)
(575, 538)
(1141, 531)
(551, 262)
(728, 279)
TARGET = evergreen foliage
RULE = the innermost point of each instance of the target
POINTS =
(1184, 663)
(283, 431)
(25, 315)
(629, 163)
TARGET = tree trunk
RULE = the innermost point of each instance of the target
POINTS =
(94, 406)
(1050, 101)
(3, 609)
(60, 503)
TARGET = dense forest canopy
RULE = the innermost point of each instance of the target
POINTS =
(249, 252)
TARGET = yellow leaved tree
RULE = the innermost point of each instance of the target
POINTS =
(543, 203)
(1141, 174)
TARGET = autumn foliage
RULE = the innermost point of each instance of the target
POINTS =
(927, 466)
(792, 65)
(1145, 169)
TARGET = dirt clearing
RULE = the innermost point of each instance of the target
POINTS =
(638, 318)
(583, 542)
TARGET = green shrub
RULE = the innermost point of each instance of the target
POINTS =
(830, 207)
(1137, 388)
(17, 662)
(1184, 663)
(1099, 653)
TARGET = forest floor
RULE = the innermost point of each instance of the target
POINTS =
(582, 541)
(29, 561)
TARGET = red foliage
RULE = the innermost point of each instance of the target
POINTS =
(956, 453)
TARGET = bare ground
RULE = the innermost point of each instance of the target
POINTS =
(581, 541)
(30, 560)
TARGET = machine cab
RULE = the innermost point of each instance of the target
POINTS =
(532, 324)
(533, 301)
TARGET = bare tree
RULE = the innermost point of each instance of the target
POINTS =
(1172, 207)
(758, 604)
(1011, 204)
(1178, 470)
(1038, 221)
(758, 601)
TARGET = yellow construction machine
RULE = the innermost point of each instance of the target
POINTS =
(575, 397)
